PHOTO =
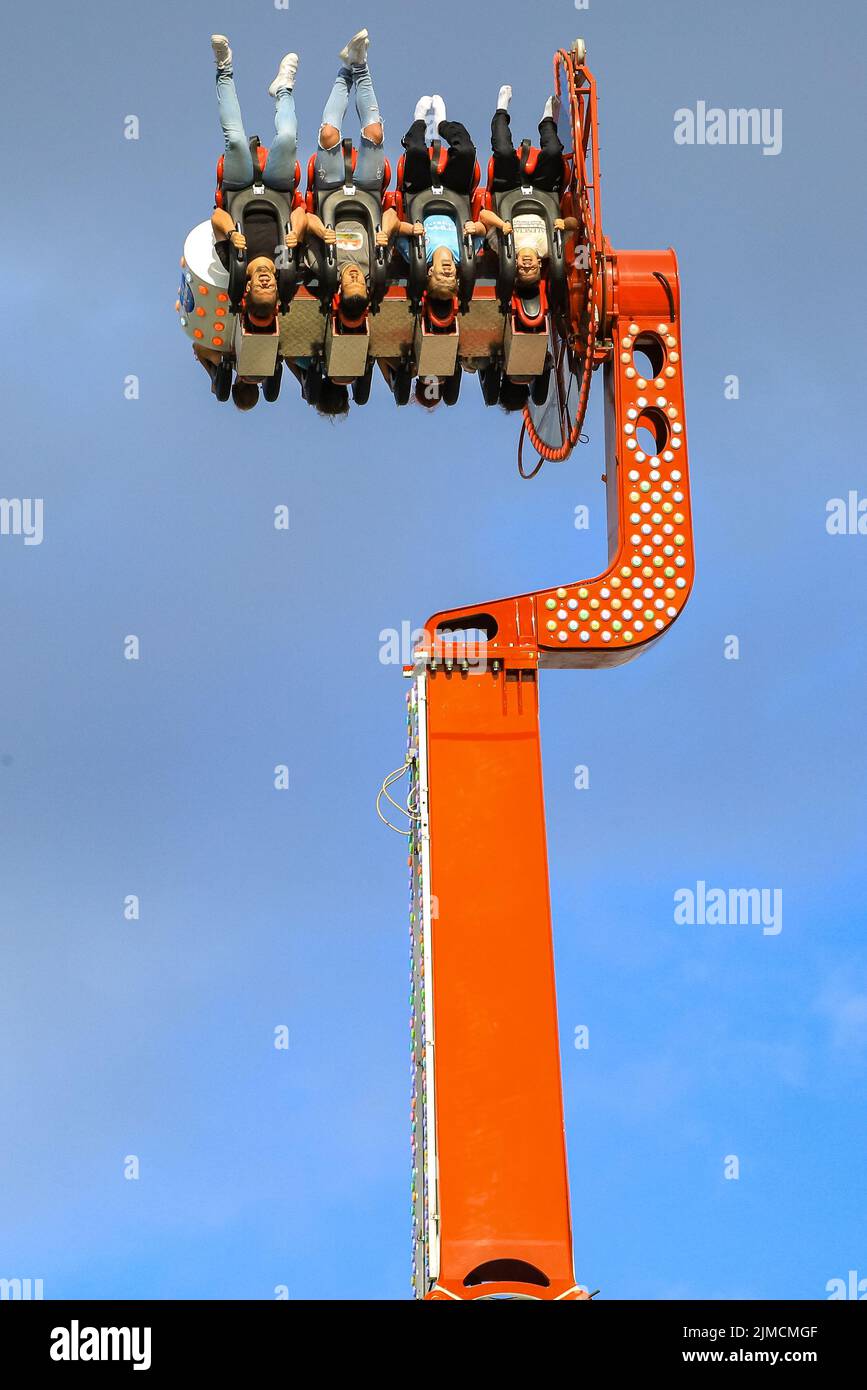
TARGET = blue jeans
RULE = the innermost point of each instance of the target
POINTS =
(370, 165)
(238, 169)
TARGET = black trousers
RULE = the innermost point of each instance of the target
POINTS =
(460, 162)
(548, 173)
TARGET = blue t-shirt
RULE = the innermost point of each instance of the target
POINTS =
(439, 230)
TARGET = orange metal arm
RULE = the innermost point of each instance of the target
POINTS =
(607, 620)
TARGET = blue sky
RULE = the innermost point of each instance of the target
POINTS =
(258, 647)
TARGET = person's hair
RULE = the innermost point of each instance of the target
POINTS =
(245, 394)
(525, 285)
(353, 305)
(513, 395)
(264, 307)
(333, 399)
(422, 394)
(438, 287)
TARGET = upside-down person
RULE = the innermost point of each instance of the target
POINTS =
(529, 232)
(439, 231)
(245, 393)
(263, 219)
(351, 240)
(330, 399)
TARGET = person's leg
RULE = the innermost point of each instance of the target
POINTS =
(280, 166)
(507, 170)
(416, 164)
(331, 129)
(329, 156)
(548, 174)
(366, 104)
(370, 165)
(237, 161)
(279, 170)
(461, 162)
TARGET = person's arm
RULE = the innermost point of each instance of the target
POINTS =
(490, 220)
(222, 224)
(206, 356)
(390, 227)
(411, 229)
(208, 359)
(475, 228)
(297, 226)
(319, 229)
(224, 230)
(388, 366)
(393, 226)
(391, 223)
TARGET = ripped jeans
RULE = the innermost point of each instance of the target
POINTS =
(370, 165)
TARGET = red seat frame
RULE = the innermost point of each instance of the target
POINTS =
(262, 154)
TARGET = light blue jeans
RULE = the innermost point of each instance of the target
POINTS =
(370, 165)
(238, 169)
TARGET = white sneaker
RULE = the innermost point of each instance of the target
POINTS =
(504, 99)
(552, 109)
(422, 109)
(355, 52)
(438, 110)
(222, 51)
(286, 74)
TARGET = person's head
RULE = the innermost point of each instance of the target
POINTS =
(245, 394)
(528, 269)
(427, 392)
(442, 276)
(353, 293)
(333, 399)
(513, 395)
(260, 299)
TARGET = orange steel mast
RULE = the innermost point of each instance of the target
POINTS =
(490, 1199)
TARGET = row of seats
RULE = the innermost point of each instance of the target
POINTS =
(418, 342)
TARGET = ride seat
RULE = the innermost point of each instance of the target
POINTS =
(525, 199)
(280, 203)
(462, 207)
(310, 199)
(259, 153)
(334, 205)
(439, 156)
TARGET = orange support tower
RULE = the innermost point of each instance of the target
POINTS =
(490, 1199)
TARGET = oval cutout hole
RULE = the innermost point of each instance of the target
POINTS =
(506, 1272)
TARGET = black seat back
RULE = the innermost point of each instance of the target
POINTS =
(430, 202)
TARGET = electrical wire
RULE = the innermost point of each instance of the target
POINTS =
(408, 809)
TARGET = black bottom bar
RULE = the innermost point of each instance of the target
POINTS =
(75, 1338)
